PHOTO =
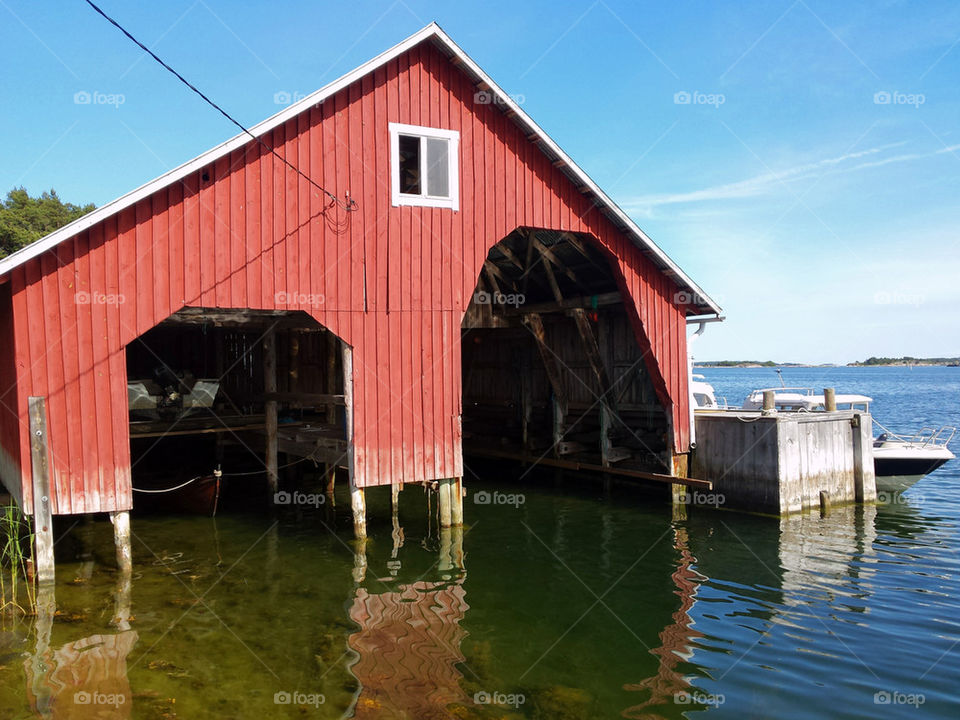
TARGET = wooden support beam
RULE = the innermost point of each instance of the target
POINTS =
(121, 539)
(270, 407)
(456, 502)
(444, 500)
(534, 323)
(296, 399)
(42, 506)
(331, 342)
(554, 260)
(526, 394)
(358, 503)
(293, 371)
(568, 303)
(590, 467)
(509, 255)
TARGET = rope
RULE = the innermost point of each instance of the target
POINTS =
(166, 490)
(279, 467)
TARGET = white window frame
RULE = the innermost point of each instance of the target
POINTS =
(453, 171)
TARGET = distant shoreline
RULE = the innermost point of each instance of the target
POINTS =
(870, 362)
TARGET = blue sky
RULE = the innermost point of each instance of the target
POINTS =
(809, 183)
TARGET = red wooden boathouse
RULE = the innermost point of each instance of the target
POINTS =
(460, 202)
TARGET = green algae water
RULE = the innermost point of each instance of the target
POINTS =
(559, 599)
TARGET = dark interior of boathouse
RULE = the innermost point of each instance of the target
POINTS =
(552, 374)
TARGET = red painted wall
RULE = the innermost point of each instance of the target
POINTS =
(392, 282)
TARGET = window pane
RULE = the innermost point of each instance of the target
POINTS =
(438, 168)
(409, 164)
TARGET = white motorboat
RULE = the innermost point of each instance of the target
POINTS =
(704, 397)
(899, 461)
(800, 399)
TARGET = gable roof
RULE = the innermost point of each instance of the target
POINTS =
(702, 304)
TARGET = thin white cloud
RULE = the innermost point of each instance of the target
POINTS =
(767, 182)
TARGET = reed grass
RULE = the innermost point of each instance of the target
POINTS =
(16, 577)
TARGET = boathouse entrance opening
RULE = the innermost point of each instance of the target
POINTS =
(553, 371)
(252, 393)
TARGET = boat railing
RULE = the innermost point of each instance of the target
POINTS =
(924, 437)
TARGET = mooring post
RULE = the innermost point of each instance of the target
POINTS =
(829, 399)
(357, 502)
(270, 407)
(456, 502)
(42, 509)
(444, 499)
(769, 402)
(121, 538)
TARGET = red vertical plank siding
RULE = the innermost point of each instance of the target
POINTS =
(392, 282)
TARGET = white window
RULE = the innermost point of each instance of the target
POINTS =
(423, 166)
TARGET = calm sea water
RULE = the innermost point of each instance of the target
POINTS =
(571, 602)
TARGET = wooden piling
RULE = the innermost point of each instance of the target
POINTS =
(270, 407)
(121, 538)
(864, 476)
(42, 509)
(769, 402)
(829, 399)
(444, 499)
(456, 502)
(357, 501)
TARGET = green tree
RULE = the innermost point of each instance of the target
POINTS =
(24, 219)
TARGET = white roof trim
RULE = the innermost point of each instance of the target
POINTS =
(431, 31)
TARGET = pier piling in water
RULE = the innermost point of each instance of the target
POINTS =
(42, 510)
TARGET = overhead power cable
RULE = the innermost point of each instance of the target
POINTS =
(347, 204)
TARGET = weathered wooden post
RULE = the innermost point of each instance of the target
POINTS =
(864, 476)
(444, 499)
(678, 493)
(456, 502)
(121, 538)
(829, 399)
(357, 502)
(769, 402)
(270, 407)
(42, 509)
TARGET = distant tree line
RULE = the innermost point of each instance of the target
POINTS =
(24, 219)
(908, 360)
(736, 363)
